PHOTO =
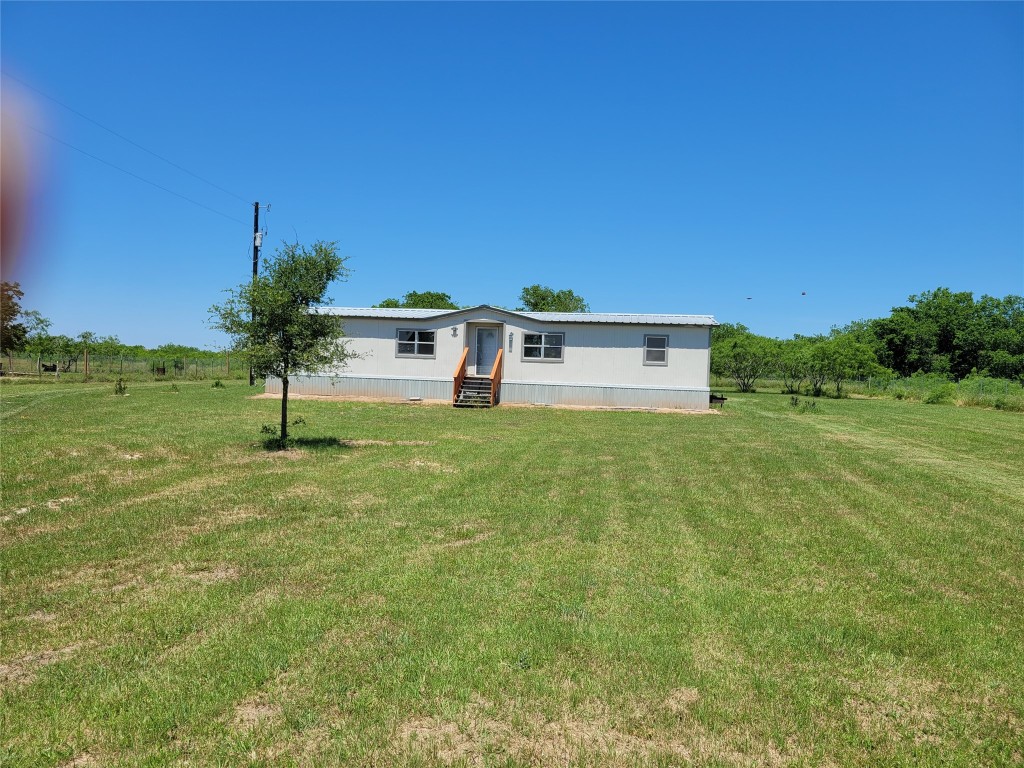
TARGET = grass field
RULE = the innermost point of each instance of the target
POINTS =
(419, 585)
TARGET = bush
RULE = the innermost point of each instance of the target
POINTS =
(806, 406)
(941, 394)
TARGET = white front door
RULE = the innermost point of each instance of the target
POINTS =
(486, 350)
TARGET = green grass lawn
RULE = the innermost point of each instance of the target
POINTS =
(419, 585)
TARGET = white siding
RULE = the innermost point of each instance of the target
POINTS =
(597, 358)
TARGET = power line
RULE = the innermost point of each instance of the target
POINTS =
(133, 175)
(125, 138)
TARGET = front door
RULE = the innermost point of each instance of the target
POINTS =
(486, 350)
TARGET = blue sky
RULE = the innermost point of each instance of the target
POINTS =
(651, 157)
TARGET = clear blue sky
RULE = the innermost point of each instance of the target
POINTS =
(652, 157)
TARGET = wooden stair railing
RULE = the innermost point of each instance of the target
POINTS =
(495, 377)
(460, 374)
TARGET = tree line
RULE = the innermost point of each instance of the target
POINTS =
(534, 298)
(27, 332)
(939, 332)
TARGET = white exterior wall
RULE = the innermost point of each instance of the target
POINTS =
(602, 363)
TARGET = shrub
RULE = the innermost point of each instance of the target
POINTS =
(806, 406)
(941, 394)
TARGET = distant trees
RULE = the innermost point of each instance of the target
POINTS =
(949, 333)
(746, 357)
(540, 298)
(942, 332)
(418, 300)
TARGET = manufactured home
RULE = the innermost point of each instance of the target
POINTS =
(486, 355)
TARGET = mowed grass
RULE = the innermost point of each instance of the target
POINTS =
(419, 585)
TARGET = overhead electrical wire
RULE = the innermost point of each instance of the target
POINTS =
(124, 138)
(133, 175)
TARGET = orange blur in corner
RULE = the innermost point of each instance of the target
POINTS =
(17, 179)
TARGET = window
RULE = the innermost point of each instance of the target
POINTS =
(655, 350)
(543, 346)
(415, 343)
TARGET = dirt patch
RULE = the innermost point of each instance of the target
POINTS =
(405, 401)
(131, 456)
(305, 491)
(23, 669)
(896, 706)
(58, 503)
(40, 616)
(682, 699)
(213, 522)
(363, 500)
(484, 733)
(19, 512)
(251, 713)
(84, 760)
(423, 465)
(639, 409)
(114, 576)
(467, 542)
(351, 399)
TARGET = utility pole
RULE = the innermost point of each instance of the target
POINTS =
(257, 241)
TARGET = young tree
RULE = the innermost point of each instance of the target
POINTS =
(793, 364)
(273, 320)
(540, 298)
(838, 359)
(744, 358)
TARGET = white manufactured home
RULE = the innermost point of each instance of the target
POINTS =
(485, 355)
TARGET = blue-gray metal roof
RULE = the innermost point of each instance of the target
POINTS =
(621, 318)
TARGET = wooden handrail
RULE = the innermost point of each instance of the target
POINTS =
(460, 374)
(495, 377)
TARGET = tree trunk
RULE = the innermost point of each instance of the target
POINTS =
(284, 409)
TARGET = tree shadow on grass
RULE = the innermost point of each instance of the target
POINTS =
(309, 443)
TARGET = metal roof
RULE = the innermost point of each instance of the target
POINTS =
(620, 318)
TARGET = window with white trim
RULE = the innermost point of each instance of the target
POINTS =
(415, 343)
(655, 349)
(543, 346)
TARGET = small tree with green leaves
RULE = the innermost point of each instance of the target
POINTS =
(793, 364)
(273, 320)
(744, 358)
(838, 359)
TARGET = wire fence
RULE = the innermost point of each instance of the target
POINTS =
(981, 391)
(103, 367)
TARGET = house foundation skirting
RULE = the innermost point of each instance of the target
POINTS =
(385, 387)
(393, 387)
(607, 396)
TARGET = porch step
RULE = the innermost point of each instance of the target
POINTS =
(474, 393)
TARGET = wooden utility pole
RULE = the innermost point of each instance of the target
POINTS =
(255, 262)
